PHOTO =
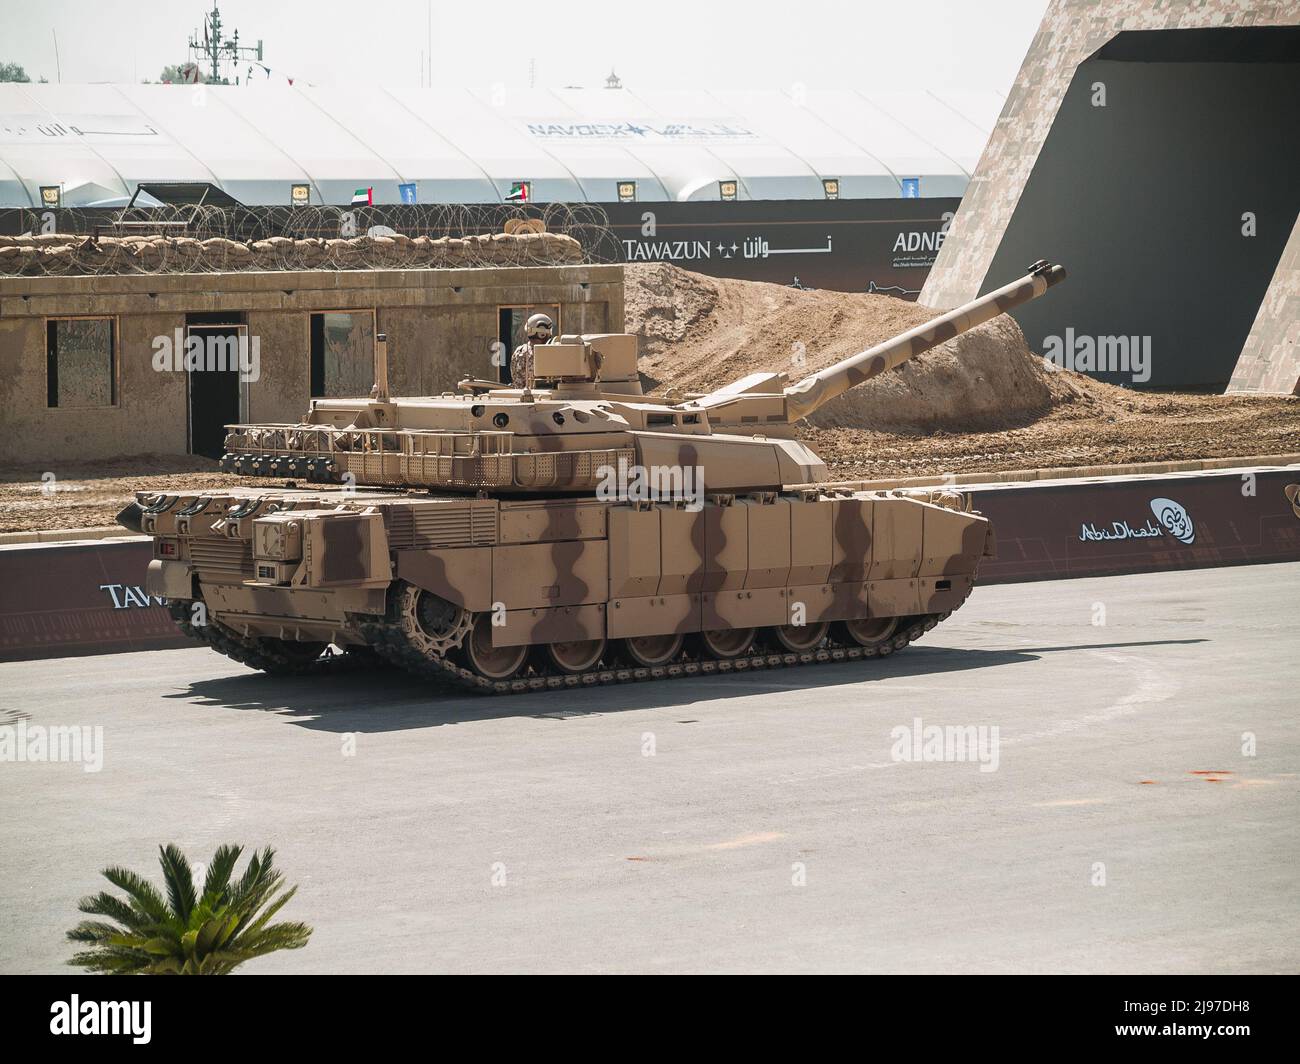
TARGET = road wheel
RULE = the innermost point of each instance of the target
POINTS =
(491, 662)
(727, 643)
(650, 651)
(867, 632)
(799, 638)
(574, 657)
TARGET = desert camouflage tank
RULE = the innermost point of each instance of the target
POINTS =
(570, 532)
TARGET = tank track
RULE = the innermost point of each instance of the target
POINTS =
(391, 643)
(386, 638)
(261, 654)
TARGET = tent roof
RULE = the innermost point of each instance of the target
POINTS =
(468, 146)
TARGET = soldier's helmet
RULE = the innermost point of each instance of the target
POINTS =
(539, 327)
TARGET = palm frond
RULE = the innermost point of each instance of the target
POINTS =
(271, 910)
(218, 877)
(106, 904)
(277, 936)
(257, 887)
(108, 962)
(179, 880)
(93, 931)
(143, 894)
(258, 867)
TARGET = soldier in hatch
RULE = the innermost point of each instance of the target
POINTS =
(538, 330)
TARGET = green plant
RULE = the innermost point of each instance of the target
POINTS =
(186, 934)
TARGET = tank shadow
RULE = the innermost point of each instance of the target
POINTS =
(378, 700)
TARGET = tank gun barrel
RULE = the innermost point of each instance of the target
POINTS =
(819, 388)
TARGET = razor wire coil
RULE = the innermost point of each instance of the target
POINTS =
(208, 239)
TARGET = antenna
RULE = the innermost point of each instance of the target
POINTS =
(380, 391)
(215, 49)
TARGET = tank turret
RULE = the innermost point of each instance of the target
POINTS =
(585, 413)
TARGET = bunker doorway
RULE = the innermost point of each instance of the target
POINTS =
(218, 396)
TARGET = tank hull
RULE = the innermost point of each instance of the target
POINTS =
(518, 594)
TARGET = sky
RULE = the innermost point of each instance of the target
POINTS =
(689, 44)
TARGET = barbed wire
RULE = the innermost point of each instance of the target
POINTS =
(209, 239)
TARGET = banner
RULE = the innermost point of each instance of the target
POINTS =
(864, 245)
(1054, 530)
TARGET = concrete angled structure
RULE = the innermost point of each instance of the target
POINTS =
(1152, 148)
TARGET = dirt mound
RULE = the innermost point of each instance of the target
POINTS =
(702, 332)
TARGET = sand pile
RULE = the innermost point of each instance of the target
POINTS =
(701, 332)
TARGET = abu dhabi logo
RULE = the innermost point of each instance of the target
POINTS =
(1175, 519)
(1292, 493)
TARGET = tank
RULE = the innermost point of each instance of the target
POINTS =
(569, 532)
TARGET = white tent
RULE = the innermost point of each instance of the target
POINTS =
(465, 146)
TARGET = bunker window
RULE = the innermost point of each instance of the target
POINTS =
(80, 363)
(342, 354)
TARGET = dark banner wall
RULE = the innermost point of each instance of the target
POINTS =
(80, 598)
(885, 245)
(1168, 190)
(1052, 531)
(847, 245)
(87, 598)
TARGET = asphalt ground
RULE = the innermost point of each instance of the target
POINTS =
(1136, 811)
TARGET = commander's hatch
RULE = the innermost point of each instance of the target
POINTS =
(574, 363)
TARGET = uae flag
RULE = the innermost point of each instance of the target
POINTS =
(364, 197)
(518, 192)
